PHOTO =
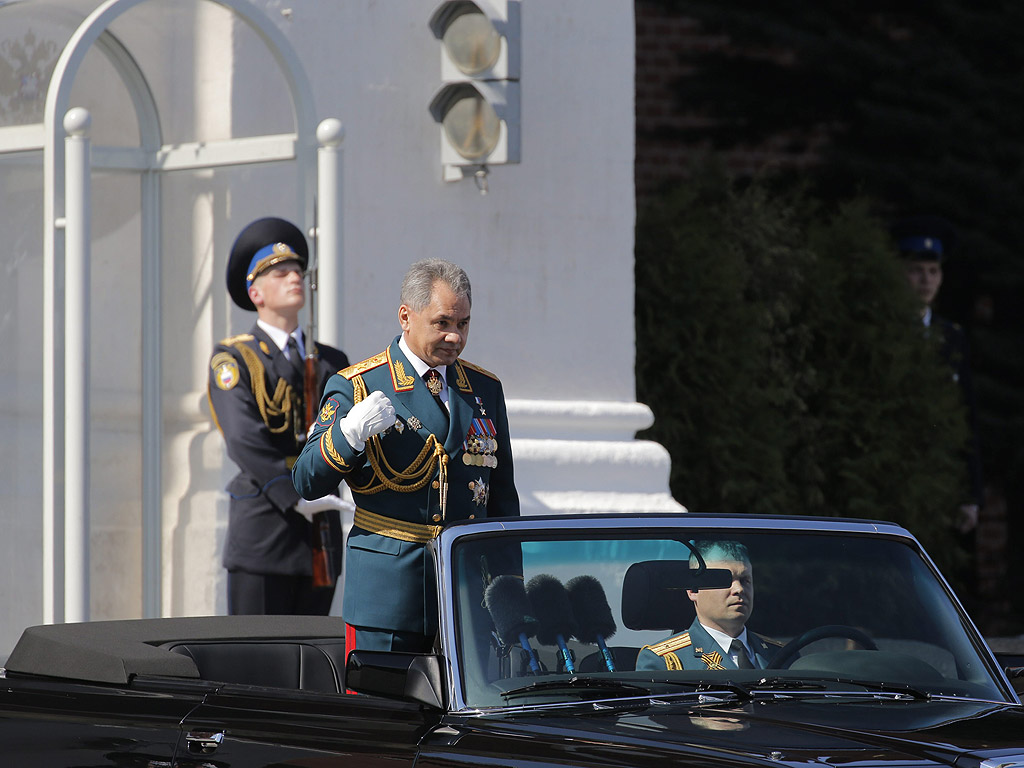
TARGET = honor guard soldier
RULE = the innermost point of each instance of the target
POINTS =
(421, 437)
(923, 243)
(256, 394)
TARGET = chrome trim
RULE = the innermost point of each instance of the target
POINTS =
(1010, 761)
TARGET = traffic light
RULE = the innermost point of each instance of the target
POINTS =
(477, 106)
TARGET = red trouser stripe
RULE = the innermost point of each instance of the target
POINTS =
(350, 643)
(350, 640)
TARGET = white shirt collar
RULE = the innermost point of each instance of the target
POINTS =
(280, 337)
(725, 640)
(421, 367)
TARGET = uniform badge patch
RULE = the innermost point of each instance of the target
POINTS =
(461, 380)
(328, 412)
(713, 659)
(225, 371)
(402, 379)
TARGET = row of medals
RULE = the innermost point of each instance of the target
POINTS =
(480, 452)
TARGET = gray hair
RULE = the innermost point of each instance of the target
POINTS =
(418, 285)
(712, 550)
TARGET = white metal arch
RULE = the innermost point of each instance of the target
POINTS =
(149, 160)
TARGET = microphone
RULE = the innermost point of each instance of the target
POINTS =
(554, 614)
(505, 599)
(593, 614)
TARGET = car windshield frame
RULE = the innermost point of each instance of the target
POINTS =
(471, 689)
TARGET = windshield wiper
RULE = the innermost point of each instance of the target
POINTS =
(877, 685)
(785, 684)
(593, 685)
(712, 691)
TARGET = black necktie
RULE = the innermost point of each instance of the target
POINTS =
(435, 385)
(742, 659)
(294, 357)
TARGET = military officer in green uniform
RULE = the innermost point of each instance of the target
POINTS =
(256, 395)
(421, 437)
(718, 637)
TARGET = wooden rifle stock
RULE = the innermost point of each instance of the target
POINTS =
(322, 544)
(310, 389)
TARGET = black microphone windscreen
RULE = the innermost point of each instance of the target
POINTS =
(506, 601)
(591, 609)
(551, 606)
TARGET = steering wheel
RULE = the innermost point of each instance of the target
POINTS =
(788, 652)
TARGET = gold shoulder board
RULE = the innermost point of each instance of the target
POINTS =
(232, 340)
(672, 644)
(370, 362)
(478, 369)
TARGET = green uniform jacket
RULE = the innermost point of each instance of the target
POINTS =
(397, 481)
(695, 649)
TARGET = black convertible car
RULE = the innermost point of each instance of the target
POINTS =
(564, 641)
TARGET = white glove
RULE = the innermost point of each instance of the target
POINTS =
(308, 508)
(367, 418)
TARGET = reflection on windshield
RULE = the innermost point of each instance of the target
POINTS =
(681, 606)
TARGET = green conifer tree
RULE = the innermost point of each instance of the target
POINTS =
(780, 350)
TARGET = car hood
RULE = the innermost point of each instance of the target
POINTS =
(776, 732)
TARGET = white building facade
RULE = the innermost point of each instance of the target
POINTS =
(549, 249)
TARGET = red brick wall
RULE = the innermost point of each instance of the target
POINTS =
(662, 154)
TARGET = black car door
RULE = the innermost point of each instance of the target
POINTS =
(253, 726)
(59, 722)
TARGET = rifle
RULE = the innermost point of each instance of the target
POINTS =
(322, 544)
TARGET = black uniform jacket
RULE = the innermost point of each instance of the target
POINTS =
(256, 399)
(955, 352)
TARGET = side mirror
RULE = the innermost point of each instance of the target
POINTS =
(404, 676)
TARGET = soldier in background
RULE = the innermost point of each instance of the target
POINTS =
(923, 242)
(255, 391)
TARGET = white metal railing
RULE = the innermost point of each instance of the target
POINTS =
(66, 240)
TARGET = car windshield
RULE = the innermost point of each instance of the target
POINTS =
(560, 616)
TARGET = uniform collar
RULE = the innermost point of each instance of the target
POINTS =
(420, 366)
(725, 640)
(280, 337)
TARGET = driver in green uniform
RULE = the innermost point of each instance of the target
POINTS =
(718, 637)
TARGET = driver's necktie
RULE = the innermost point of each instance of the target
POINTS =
(739, 653)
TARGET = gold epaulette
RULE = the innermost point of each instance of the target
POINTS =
(371, 362)
(671, 645)
(478, 369)
(230, 341)
(772, 641)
